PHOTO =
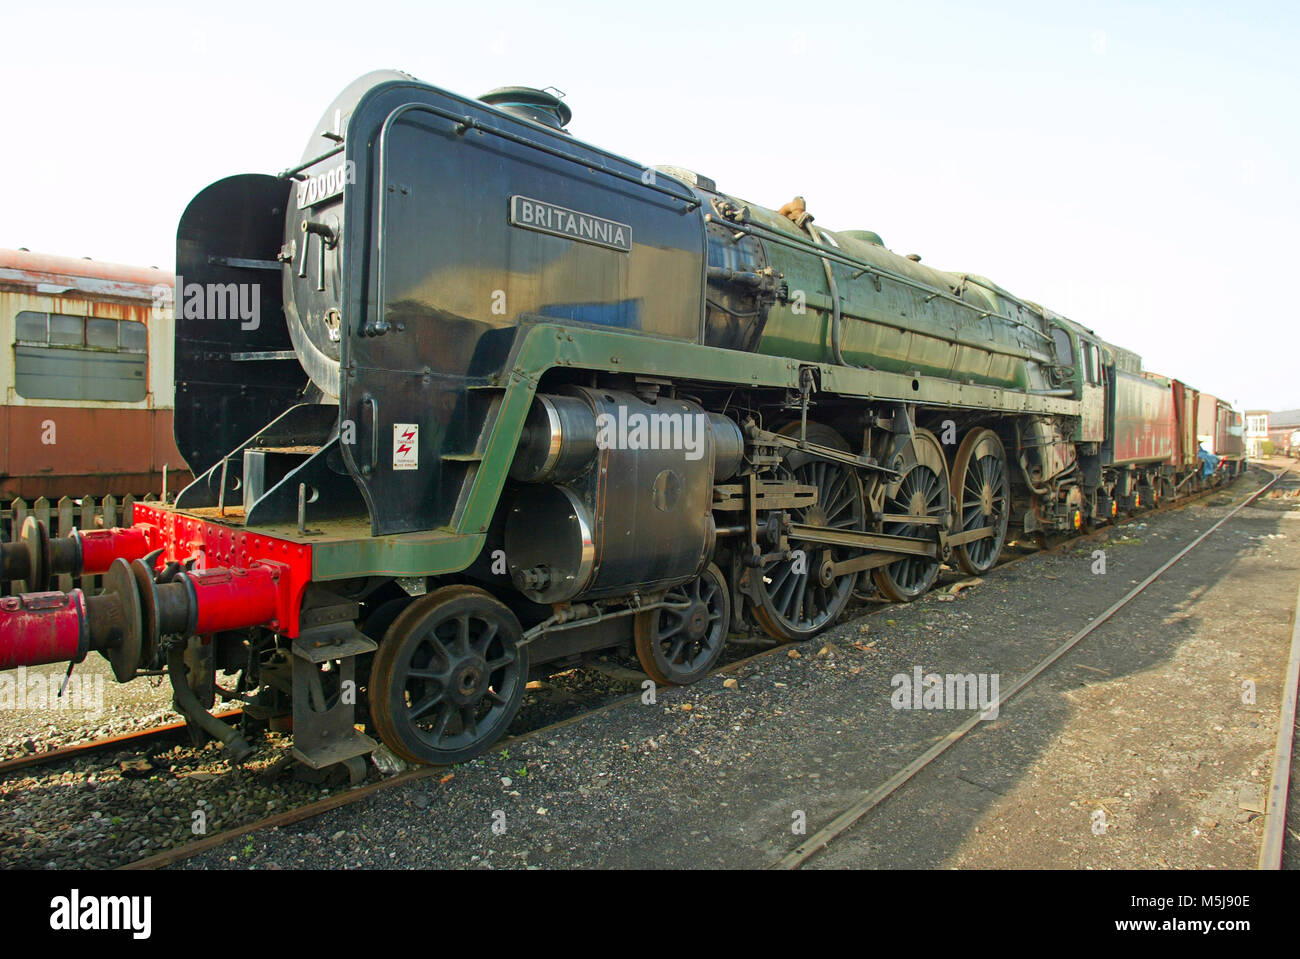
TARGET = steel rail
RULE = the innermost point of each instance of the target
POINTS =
(845, 820)
(77, 750)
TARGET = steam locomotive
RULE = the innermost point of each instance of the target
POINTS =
(507, 401)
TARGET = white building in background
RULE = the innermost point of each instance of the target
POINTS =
(1256, 433)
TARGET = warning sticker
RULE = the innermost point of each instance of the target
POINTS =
(406, 446)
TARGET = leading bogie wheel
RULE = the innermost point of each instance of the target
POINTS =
(680, 643)
(448, 676)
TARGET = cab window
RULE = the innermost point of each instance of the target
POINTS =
(1064, 349)
(1092, 356)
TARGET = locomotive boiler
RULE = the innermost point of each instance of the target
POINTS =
(509, 401)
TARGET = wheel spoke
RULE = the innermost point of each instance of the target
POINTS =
(983, 480)
(687, 651)
(786, 568)
(798, 606)
(787, 593)
(681, 624)
(444, 717)
(486, 637)
(795, 605)
(840, 498)
(469, 719)
(926, 491)
(424, 705)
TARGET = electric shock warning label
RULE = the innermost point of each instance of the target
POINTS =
(406, 446)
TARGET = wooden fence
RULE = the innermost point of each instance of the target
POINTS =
(60, 519)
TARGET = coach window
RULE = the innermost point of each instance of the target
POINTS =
(101, 334)
(134, 336)
(32, 328)
(61, 357)
(66, 330)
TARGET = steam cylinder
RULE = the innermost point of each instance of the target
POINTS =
(616, 493)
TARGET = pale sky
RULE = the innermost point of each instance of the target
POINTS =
(1133, 166)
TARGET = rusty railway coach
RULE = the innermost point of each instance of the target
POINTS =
(1221, 433)
(514, 401)
(86, 371)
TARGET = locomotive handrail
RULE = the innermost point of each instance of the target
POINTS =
(824, 302)
(837, 309)
(845, 259)
(465, 123)
(1023, 304)
(293, 171)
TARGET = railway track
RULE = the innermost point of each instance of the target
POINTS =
(1270, 854)
(141, 737)
(147, 738)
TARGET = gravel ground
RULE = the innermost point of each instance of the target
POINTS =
(95, 813)
(115, 807)
(104, 707)
(722, 773)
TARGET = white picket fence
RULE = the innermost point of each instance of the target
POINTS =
(61, 518)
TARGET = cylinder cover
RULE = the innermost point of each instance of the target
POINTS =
(617, 493)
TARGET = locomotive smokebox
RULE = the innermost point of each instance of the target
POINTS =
(619, 493)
